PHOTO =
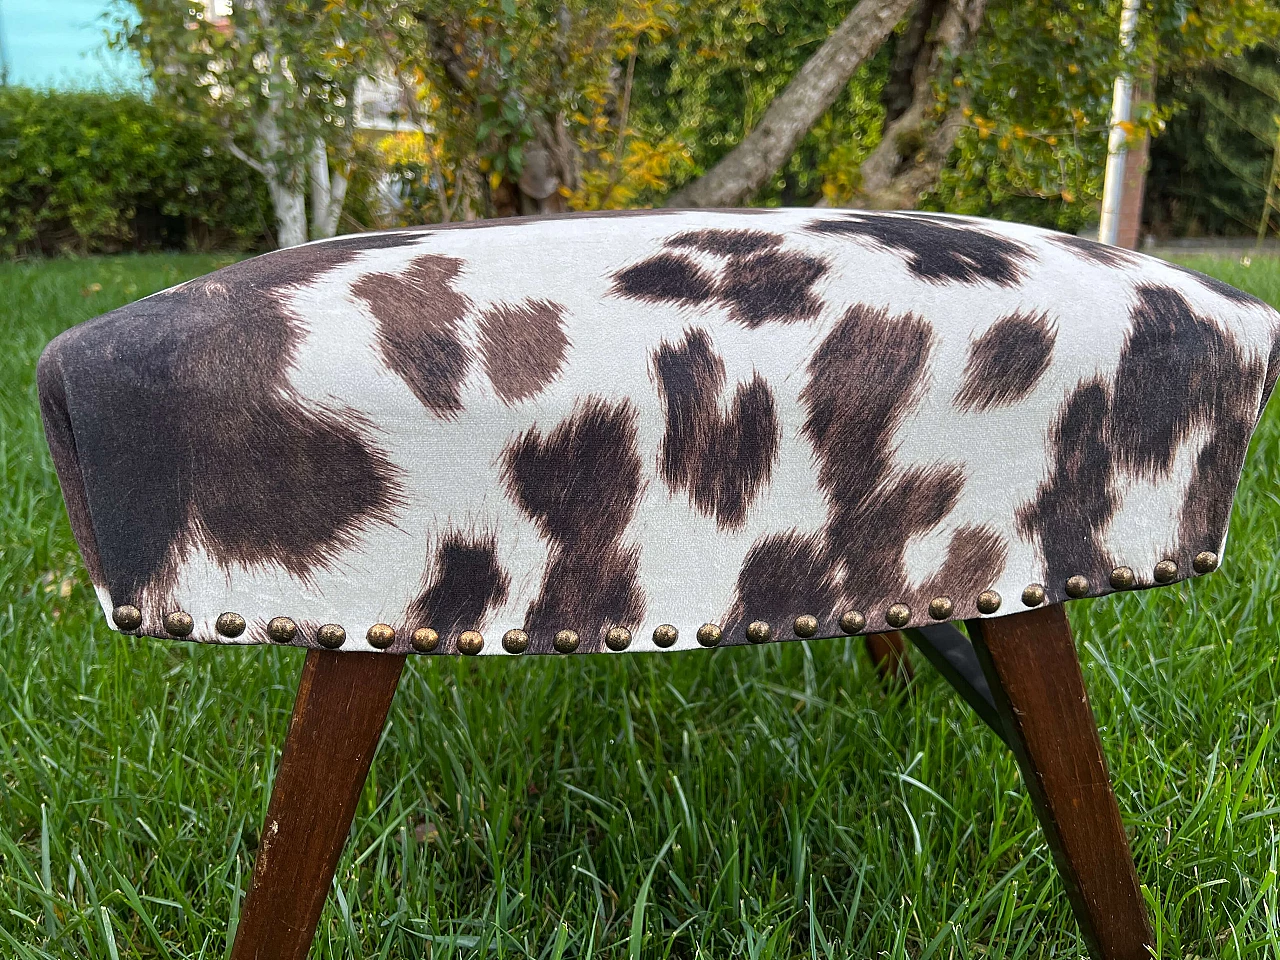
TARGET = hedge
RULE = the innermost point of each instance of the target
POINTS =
(100, 172)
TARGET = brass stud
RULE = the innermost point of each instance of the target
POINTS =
(898, 615)
(1033, 595)
(178, 624)
(617, 638)
(988, 601)
(709, 634)
(940, 608)
(853, 622)
(470, 642)
(1205, 562)
(759, 632)
(1166, 570)
(229, 624)
(1122, 578)
(381, 636)
(331, 636)
(425, 640)
(515, 641)
(665, 635)
(127, 617)
(566, 641)
(1077, 586)
(806, 625)
(282, 630)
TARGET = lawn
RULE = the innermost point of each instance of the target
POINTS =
(768, 802)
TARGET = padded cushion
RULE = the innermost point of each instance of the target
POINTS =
(632, 420)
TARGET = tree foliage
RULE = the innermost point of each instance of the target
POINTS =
(529, 106)
(530, 103)
(95, 172)
(277, 79)
(1209, 170)
(1031, 90)
(709, 80)
(1039, 100)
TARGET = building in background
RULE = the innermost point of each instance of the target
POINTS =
(62, 43)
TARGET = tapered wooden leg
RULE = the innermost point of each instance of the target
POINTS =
(1031, 665)
(888, 652)
(342, 704)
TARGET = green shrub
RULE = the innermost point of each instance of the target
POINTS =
(100, 172)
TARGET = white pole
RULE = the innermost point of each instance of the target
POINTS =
(1117, 142)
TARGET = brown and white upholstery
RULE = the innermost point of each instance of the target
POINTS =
(652, 431)
(599, 433)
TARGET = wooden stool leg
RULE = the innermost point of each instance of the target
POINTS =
(342, 704)
(1031, 664)
(888, 651)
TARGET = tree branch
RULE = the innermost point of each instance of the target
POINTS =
(455, 68)
(240, 155)
(806, 98)
(914, 146)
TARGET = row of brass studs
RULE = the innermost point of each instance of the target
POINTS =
(470, 642)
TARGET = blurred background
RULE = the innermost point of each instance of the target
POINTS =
(217, 125)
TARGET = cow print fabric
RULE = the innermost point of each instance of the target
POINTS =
(670, 417)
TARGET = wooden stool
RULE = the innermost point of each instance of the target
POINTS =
(661, 431)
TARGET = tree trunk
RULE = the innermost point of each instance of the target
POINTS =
(328, 193)
(900, 89)
(290, 203)
(806, 98)
(281, 160)
(319, 182)
(915, 144)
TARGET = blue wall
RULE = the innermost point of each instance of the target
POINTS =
(62, 43)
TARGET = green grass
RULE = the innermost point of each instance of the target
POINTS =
(769, 802)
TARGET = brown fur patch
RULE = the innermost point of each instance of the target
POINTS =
(1178, 371)
(523, 347)
(1273, 372)
(975, 559)
(200, 374)
(1076, 501)
(936, 249)
(62, 447)
(1102, 254)
(783, 575)
(463, 583)
(664, 278)
(726, 243)
(587, 590)
(1006, 362)
(723, 461)
(771, 287)
(865, 377)
(581, 485)
(419, 316)
(1206, 506)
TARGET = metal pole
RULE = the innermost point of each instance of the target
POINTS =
(1117, 142)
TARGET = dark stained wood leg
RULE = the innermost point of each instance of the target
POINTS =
(1031, 665)
(342, 704)
(888, 651)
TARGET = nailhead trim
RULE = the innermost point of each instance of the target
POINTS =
(283, 630)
